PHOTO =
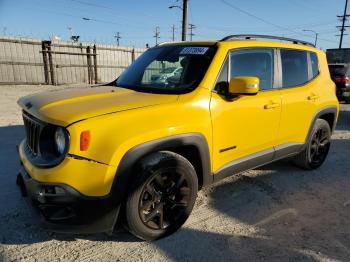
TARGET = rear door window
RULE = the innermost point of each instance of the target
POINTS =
(294, 67)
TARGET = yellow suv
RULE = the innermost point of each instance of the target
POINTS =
(137, 150)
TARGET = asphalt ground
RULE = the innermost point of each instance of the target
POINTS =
(275, 213)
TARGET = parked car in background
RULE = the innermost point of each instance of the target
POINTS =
(336, 55)
(340, 74)
(163, 76)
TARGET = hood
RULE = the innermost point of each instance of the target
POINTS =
(70, 105)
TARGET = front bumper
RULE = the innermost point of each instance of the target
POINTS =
(63, 209)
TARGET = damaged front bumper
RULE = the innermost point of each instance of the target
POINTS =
(61, 206)
(65, 210)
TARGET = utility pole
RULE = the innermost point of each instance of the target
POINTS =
(343, 27)
(70, 31)
(156, 34)
(184, 19)
(173, 29)
(191, 27)
(117, 37)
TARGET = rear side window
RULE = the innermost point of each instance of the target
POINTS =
(254, 62)
(314, 65)
(294, 67)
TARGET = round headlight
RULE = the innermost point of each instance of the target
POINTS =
(60, 140)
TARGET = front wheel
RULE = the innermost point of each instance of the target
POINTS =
(317, 147)
(162, 195)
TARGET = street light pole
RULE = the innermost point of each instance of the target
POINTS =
(316, 34)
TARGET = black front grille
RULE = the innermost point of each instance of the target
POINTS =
(33, 128)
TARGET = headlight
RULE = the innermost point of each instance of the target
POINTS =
(60, 140)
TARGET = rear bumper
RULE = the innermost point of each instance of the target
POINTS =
(63, 209)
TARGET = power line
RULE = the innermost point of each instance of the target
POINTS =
(254, 16)
(113, 10)
(91, 4)
(266, 29)
(266, 21)
(87, 18)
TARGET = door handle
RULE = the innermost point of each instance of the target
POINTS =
(313, 97)
(271, 105)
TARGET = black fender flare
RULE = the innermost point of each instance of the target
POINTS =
(324, 111)
(123, 177)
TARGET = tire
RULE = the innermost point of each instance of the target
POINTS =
(347, 99)
(162, 197)
(317, 147)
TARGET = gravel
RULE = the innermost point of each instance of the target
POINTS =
(275, 213)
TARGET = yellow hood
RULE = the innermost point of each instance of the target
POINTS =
(68, 106)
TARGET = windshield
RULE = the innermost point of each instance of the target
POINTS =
(147, 73)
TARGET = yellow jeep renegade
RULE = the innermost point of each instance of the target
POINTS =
(182, 116)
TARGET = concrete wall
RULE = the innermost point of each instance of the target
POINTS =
(22, 61)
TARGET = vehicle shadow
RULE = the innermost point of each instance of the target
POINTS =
(276, 213)
(282, 214)
(10, 136)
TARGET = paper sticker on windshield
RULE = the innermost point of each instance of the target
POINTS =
(193, 50)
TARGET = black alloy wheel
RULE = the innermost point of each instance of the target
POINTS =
(162, 195)
(164, 199)
(317, 147)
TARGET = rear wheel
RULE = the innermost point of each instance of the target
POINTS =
(317, 147)
(162, 197)
(347, 99)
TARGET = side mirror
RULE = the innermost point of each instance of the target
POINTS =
(244, 85)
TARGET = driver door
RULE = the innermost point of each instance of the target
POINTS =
(245, 127)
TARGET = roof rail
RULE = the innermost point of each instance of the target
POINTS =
(247, 37)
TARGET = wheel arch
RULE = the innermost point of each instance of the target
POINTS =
(192, 146)
(328, 114)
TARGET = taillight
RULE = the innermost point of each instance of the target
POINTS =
(342, 80)
(85, 140)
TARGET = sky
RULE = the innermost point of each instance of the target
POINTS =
(136, 20)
